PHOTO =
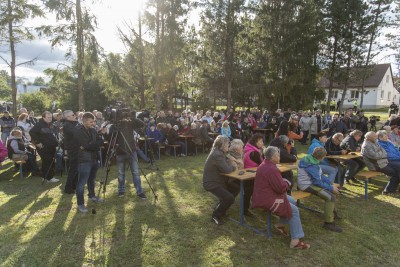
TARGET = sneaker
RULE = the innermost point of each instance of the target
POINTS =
(142, 196)
(82, 208)
(53, 180)
(217, 220)
(121, 194)
(96, 199)
(332, 227)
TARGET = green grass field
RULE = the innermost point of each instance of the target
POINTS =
(41, 227)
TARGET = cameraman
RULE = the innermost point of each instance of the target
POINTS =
(126, 151)
(71, 150)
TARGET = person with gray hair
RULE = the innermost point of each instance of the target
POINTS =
(288, 154)
(235, 153)
(310, 179)
(376, 159)
(270, 193)
(216, 183)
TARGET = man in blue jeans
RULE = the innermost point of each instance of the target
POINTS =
(126, 151)
(89, 142)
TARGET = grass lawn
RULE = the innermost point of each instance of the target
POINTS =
(41, 227)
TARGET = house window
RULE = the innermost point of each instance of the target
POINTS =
(382, 94)
(389, 96)
(354, 94)
(387, 78)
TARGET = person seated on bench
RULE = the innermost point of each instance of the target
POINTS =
(270, 193)
(17, 151)
(376, 159)
(310, 179)
(351, 144)
(353, 166)
(394, 135)
(288, 154)
(215, 182)
(326, 166)
(252, 158)
(172, 139)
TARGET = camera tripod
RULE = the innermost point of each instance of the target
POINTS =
(111, 153)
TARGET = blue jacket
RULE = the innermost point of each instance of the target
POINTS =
(157, 135)
(392, 152)
(316, 143)
(310, 166)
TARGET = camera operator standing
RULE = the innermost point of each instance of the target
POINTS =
(44, 136)
(89, 143)
(126, 152)
(71, 150)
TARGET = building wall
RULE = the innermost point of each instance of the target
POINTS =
(381, 96)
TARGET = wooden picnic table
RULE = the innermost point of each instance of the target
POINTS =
(250, 173)
(339, 158)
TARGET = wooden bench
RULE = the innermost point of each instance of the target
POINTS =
(174, 146)
(366, 176)
(159, 150)
(297, 195)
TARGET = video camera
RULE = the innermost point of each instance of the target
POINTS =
(117, 112)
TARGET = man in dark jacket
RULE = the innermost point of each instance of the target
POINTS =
(351, 166)
(70, 150)
(126, 150)
(89, 143)
(205, 138)
(43, 135)
(335, 126)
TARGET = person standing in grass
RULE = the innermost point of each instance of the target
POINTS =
(310, 179)
(216, 183)
(270, 193)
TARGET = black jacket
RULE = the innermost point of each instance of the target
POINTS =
(331, 148)
(349, 143)
(89, 143)
(44, 133)
(125, 141)
(286, 157)
(68, 130)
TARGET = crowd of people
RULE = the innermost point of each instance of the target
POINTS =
(316, 173)
(236, 140)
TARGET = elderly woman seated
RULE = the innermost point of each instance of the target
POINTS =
(270, 193)
(213, 181)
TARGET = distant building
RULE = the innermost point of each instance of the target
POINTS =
(23, 88)
(380, 89)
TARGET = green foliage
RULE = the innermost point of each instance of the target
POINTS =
(38, 102)
(13, 30)
(39, 81)
(5, 89)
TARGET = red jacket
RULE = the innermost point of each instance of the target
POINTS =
(270, 190)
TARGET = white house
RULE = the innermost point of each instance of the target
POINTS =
(380, 90)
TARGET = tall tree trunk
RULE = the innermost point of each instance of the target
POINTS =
(157, 61)
(332, 75)
(141, 67)
(12, 66)
(80, 54)
(371, 40)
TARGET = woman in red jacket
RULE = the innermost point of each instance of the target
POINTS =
(270, 193)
